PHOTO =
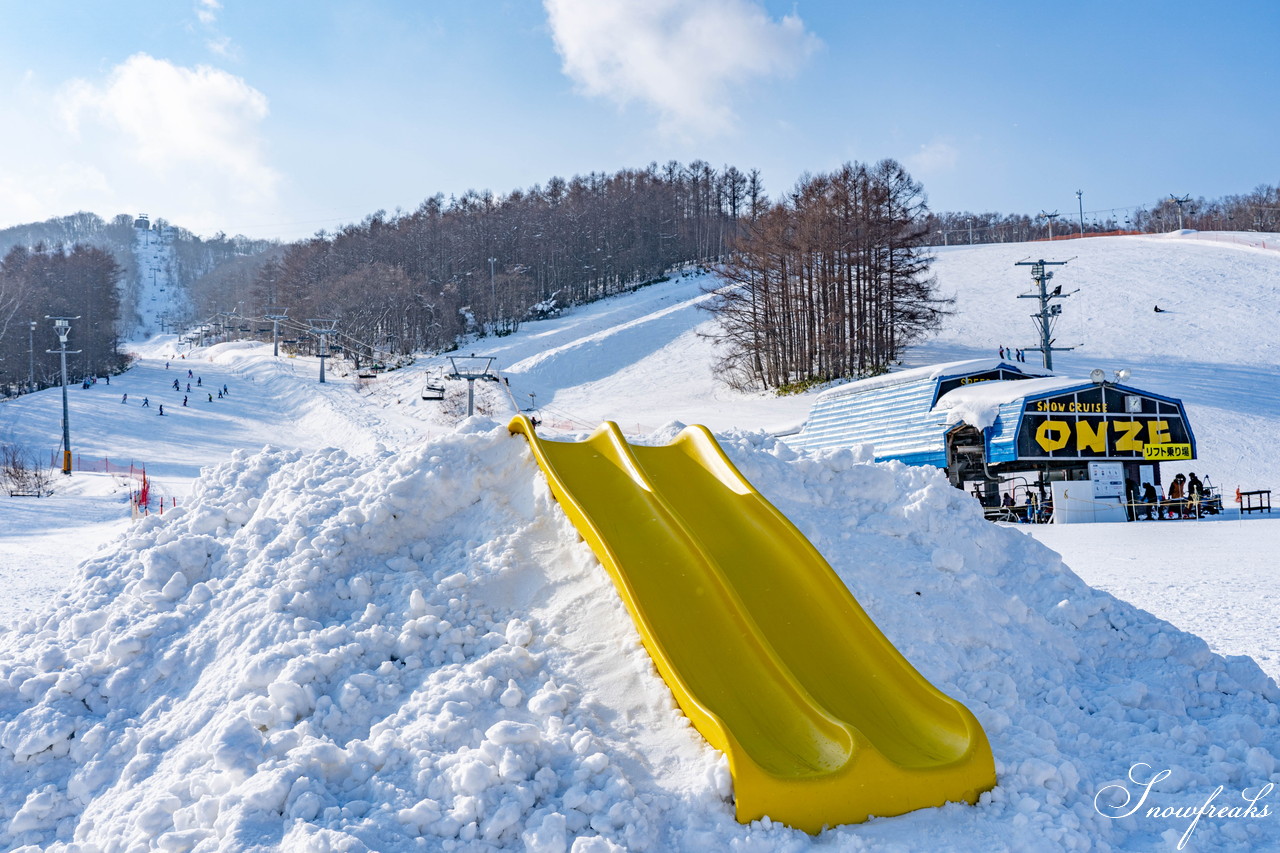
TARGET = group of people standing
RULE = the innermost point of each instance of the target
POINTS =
(1015, 354)
(1182, 501)
(1033, 510)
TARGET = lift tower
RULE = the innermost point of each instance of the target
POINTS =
(323, 329)
(275, 315)
(472, 367)
(1045, 317)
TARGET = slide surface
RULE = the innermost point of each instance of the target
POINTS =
(823, 721)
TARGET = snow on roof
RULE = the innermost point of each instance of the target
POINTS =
(930, 371)
(978, 404)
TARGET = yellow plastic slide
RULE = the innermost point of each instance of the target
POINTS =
(823, 721)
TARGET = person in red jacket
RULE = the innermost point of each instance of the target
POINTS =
(1177, 491)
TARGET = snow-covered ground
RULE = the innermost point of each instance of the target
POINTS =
(379, 632)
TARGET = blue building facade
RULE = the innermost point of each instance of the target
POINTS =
(983, 420)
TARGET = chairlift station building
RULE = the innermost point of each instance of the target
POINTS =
(988, 421)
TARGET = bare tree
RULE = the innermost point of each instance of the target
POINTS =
(832, 282)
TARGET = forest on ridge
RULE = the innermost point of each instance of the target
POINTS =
(830, 279)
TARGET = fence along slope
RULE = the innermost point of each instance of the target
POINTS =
(823, 721)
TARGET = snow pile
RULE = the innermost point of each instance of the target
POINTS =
(415, 651)
(321, 647)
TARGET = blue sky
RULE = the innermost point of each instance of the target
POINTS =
(282, 118)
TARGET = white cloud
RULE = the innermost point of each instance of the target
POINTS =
(182, 143)
(684, 58)
(217, 43)
(934, 158)
(207, 11)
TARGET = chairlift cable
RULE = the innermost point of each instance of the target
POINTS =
(571, 418)
(515, 407)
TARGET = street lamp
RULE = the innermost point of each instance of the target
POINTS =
(62, 327)
(31, 355)
(493, 292)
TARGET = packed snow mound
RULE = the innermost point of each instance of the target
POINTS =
(415, 650)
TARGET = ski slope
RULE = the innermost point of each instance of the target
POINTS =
(367, 625)
(159, 300)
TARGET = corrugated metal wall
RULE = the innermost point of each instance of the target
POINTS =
(896, 419)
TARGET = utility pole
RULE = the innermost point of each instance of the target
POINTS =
(1044, 318)
(275, 315)
(1050, 217)
(62, 327)
(323, 328)
(970, 221)
(1186, 199)
(1080, 200)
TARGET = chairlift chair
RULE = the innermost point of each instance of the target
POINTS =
(432, 392)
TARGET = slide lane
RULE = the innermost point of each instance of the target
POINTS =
(768, 653)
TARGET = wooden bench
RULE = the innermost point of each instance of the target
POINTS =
(1258, 501)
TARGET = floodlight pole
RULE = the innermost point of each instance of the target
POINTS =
(1044, 317)
(31, 354)
(62, 327)
(1080, 200)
